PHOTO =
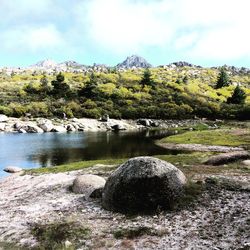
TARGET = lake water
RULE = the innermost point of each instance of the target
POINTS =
(49, 149)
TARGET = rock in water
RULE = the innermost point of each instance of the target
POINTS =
(143, 184)
(12, 169)
(90, 185)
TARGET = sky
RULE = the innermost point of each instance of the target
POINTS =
(203, 32)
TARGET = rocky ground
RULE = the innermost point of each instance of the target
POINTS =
(40, 125)
(219, 219)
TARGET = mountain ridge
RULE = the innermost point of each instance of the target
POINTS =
(131, 62)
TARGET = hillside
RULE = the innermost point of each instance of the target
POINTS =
(175, 91)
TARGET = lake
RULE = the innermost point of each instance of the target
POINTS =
(50, 149)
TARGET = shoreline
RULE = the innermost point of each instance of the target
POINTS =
(29, 201)
(43, 125)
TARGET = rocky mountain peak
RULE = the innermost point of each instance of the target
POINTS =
(134, 61)
(48, 63)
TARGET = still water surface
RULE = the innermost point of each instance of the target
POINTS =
(49, 149)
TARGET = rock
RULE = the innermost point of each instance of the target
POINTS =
(59, 129)
(105, 118)
(118, 127)
(143, 184)
(12, 169)
(17, 125)
(70, 128)
(155, 124)
(3, 118)
(22, 131)
(30, 129)
(144, 122)
(134, 61)
(45, 125)
(246, 162)
(2, 126)
(89, 185)
(227, 157)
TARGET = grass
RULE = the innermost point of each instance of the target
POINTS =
(136, 232)
(54, 235)
(178, 160)
(73, 166)
(220, 137)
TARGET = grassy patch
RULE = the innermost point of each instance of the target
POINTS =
(10, 246)
(192, 191)
(73, 166)
(54, 235)
(135, 232)
(225, 137)
(178, 160)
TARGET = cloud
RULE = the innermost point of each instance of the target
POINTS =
(199, 30)
(213, 29)
(127, 25)
(32, 39)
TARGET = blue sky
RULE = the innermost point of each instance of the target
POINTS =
(207, 32)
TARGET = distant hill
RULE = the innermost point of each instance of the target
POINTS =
(134, 61)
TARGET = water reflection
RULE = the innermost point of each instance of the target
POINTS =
(48, 149)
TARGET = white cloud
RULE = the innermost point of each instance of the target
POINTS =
(124, 25)
(211, 28)
(32, 38)
(195, 29)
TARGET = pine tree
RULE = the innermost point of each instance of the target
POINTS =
(89, 90)
(146, 79)
(238, 96)
(61, 88)
(223, 79)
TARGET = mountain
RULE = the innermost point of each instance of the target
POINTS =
(46, 64)
(134, 61)
(184, 64)
(71, 64)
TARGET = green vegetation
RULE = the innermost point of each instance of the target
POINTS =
(223, 137)
(74, 166)
(178, 160)
(54, 235)
(238, 96)
(135, 232)
(223, 79)
(153, 93)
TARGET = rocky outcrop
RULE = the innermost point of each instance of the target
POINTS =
(12, 169)
(45, 124)
(30, 128)
(227, 157)
(90, 185)
(143, 184)
(59, 129)
(134, 62)
(246, 163)
(3, 118)
(2, 126)
(199, 147)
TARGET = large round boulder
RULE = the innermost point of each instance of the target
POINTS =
(90, 185)
(143, 184)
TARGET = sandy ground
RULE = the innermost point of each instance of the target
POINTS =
(219, 220)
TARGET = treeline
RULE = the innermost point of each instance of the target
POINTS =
(138, 96)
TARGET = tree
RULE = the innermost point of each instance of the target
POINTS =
(90, 88)
(45, 87)
(223, 79)
(238, 96)
(147, 79)
(61, 88)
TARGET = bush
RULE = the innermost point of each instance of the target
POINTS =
(17, 110)
(5, 110)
